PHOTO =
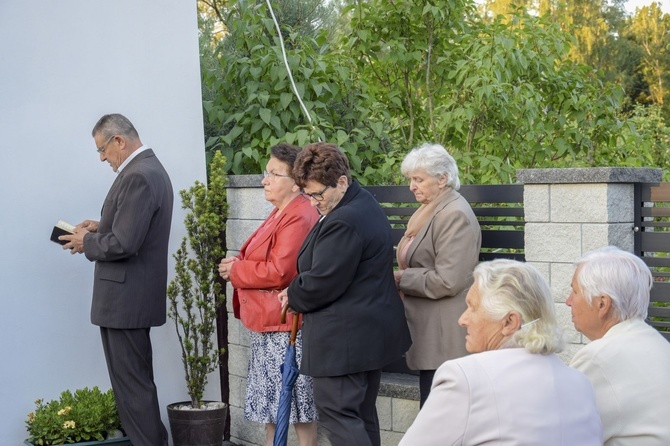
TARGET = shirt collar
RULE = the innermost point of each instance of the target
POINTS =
(131, 156)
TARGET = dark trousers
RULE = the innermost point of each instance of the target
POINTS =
(347, 410)
(130, 365)
(425, 383)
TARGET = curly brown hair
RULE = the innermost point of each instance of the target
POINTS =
(321, 162)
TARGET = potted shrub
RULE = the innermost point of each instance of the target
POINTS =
(194, 295)
(87, 417)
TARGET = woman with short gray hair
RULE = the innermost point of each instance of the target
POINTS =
(512, 389)
(435, 257)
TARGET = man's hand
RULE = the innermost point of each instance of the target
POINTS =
(75, 242)
(89, 225)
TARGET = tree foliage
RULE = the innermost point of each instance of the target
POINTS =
(255, 106)
(194, 294)
(650, 30)
(501, 92)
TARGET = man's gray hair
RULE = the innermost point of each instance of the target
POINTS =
(115, 124)
(621, 275)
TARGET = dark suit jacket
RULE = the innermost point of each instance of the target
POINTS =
(130, 249)
(354, 320)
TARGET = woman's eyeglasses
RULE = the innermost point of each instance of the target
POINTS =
(318, 196)
(273, 175)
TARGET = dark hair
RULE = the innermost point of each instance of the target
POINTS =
(321, 162)
(286, 153)
(115, 124)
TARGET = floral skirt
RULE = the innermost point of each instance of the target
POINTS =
(264, 380)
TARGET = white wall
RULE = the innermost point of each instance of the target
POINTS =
(63, 64)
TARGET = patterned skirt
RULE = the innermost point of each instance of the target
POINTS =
(264, 380)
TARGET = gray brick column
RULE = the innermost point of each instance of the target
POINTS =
(571, 211)
(247, 209)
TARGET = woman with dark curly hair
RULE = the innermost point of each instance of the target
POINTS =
(354, 322)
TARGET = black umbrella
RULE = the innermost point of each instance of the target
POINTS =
(289, 374)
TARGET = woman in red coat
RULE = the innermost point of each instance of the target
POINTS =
(265, 265)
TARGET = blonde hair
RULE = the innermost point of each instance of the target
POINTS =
(510, 286)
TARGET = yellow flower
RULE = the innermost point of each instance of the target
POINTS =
(31, 417)
(69, 425)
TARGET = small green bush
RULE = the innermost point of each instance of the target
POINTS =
(86, 415)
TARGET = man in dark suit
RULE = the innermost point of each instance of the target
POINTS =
(129, 246)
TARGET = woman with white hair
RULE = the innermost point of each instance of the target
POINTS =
(513, 389)
(436, 257)
(628, 361)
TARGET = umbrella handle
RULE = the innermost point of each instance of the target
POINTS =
(294, 328)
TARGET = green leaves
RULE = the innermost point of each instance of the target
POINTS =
(252, 103)
(500, 94)
(86, 415)
(195, 293)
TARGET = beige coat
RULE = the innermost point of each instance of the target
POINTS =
(440, 262)
(508, 397)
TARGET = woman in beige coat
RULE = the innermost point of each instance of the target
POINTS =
(436, 257)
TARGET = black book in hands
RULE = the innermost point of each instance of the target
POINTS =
(61, 228)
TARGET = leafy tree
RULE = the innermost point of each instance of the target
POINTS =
(654, 132)
(256, 108)
(501, 94)
(403, 50)
(650, 29)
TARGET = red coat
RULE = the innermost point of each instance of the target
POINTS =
(268, 264)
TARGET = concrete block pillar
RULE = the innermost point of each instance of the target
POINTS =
(574, 210)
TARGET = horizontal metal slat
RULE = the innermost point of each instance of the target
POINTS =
(655, 211)
(654, 242)
(391, 194)
(498, 212)
(494, 193)
(406, 212)
(660, 292)
(486, 256)
(655, 191)
(659, 324)
(503, 239)
(659, 312)
(656, 261)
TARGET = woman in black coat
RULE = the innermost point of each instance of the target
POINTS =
(354, 322)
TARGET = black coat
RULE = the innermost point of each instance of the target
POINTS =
(354, 320)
